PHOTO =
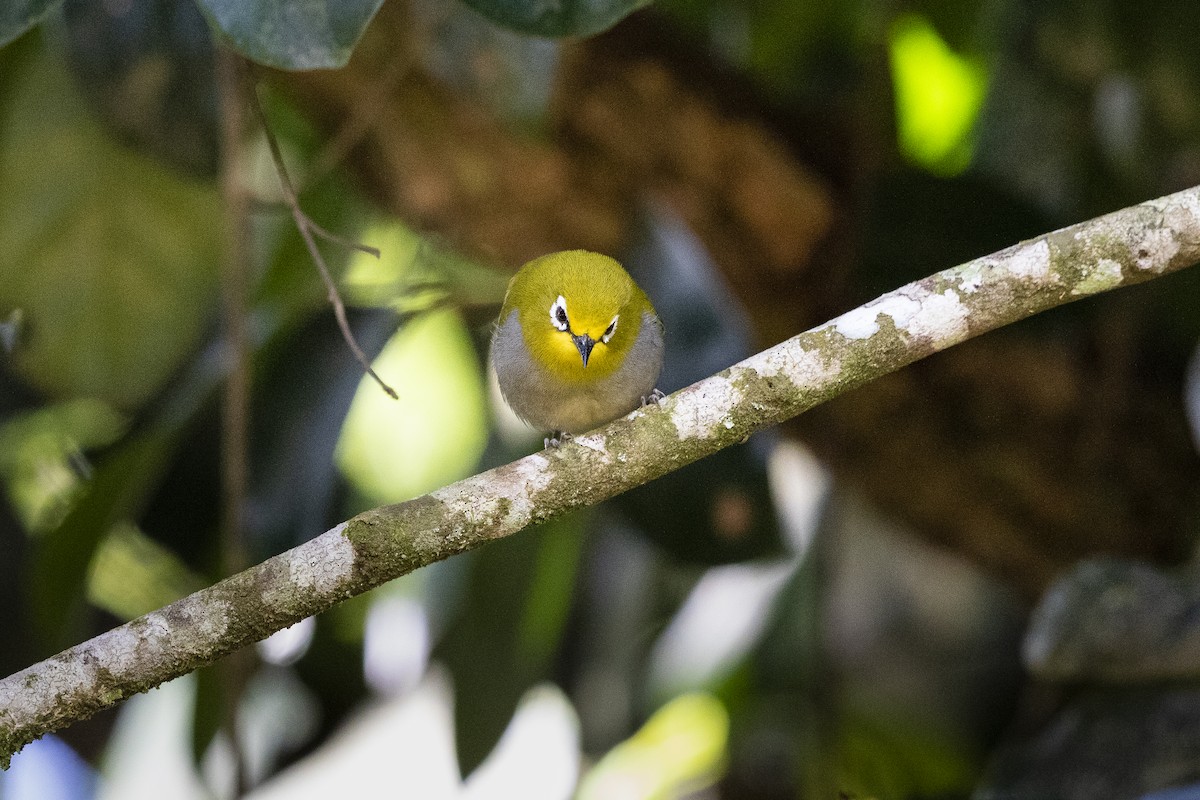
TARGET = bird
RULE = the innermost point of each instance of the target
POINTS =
(577, 344)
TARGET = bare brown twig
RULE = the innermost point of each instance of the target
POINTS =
(307, 228)
(234, 673)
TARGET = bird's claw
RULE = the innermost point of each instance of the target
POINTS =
(557, 438)
(654, 398)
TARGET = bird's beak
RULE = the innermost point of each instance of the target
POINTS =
(585, 344)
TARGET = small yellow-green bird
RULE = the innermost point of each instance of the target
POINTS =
(577, 345)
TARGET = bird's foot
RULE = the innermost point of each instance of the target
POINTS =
(557, 438)
(654, 398)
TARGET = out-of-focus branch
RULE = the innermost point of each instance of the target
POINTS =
(914, 321)
(235, 268)
(235, 406)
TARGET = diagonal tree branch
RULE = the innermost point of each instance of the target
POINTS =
(1120, 249)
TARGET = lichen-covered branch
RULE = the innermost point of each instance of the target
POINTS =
(1123, 248)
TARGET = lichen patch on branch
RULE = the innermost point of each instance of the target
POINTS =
(504, 497)
(800, 365)
(942, 319)
(704, 406)
(1156, 246)
(1032, 261)
(859, 323)
(937, 317)
(319, 566)
(1101, 276)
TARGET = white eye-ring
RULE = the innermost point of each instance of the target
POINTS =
(610, 330)
(558, 314)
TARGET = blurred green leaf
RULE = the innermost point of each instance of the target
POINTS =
(789, 42)
(62, 558)
(413, 275)
(508, 629)
(111, 257)
(292, 34)
(563, 18)
(962, 23)
(550, 589)
(147, 71)
(132, 575)
(392, 450)
(297, 424)
(680, 750)
(939, 94)
(18, 16)
(42, 461)
(208, 709)
(894, 761)
(519, 81)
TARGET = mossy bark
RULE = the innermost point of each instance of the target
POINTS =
(1123, 248)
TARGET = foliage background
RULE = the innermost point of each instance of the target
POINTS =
(835, 608)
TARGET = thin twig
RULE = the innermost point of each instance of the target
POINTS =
(307, 228)
(261, 206)
(342, 240)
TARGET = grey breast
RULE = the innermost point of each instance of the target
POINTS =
(550, 404)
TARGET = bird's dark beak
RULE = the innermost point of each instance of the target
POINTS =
(585, 344)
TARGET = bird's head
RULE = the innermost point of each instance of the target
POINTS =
(580, 313)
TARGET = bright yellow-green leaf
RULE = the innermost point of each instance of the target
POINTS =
(679, 750)
(377, 281)
(132, 574)
(413, 275)
(938, 96)
(110, 257)
(394, 450)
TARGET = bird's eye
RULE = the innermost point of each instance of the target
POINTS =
(610, 330)
(558, 314)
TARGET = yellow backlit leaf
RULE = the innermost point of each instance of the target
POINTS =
(938, 96)
(435, 433)
(679, 750)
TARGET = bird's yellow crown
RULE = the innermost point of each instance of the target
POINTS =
(576, 293)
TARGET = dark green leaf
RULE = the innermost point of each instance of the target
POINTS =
(563, 18)
(148, 74)
(111, 257)
(959, 22)
(18, 16)
(292, 34)
(297, 424)
(20, 645)
(508, 629)
(208, 709)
